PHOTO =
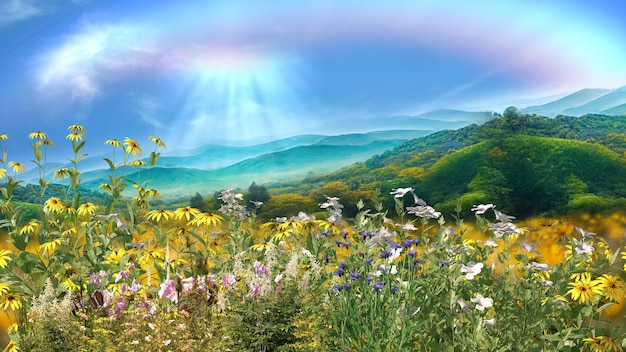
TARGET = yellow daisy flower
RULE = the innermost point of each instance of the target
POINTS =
(207, 219)
(12, 347)
(30, 227)
(87, 209)
(612, 286)
(153, 192)
(4, 288)
(50, 246)
(3, 173)
(37, 135)
(45, 142)
(113, 143)
(159, 214)
(265, 246)
(11, 301)
(106, 187)
(54, 205)
(132, 147)
(76, 128)
(61, 173)
(585, 290)
(137, 163)
(602, 344)
(17, 167)
(115, 257)
(75, 136)
(186, 212)
(4, 137)
(157, 141)
(5, 257)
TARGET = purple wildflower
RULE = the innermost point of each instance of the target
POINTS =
(355, 276)
(378, 286)
(261, 269)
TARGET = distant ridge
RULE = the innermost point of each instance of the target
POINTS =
(576, 99)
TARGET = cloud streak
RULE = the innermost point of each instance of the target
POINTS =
(14, 11)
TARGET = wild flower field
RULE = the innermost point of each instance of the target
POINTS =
(128, 276)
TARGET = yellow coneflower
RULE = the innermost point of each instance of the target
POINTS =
(12, 347)
(153, 192)
(30, 227)
(137, 163)
(151, 257)
(113, 143)
(157, 141)
(5, 257)
(4, 288)
(207, 219)
(50, 246)
(602, 344)
(54, 205)
(265, 246)
(612, 286)
(45, 142)
(68, 209)
(17, 167)
(106, 187)
(69, 232)
(159, 214)
(132, 147)
(584, 289)
(61, 173)
(3, 173)
(186, 212)
(38, 135)
(75, 136)
(87, 209)
(76, 128)
(11, 301)
(4, 137)
(115, 257)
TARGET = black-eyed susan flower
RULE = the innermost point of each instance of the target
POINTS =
(3, 173)
(153, 193)
(12, 347)
(50, 246)
(186, 212)
(159, 214)
(11, 301)
(113, 143)
(4, 137)
(5, 257)
(132, 147)
(159, 143)
(61, 173)
(265, 246)
(87, 209)
(76, 128)
(584, 289)
(116, 256)
(612, 286)
(137, 163)
(151, 257)
(4, 288)
(38, 135)
(602, 344)
(45, 143)
(105, 186)
(17, 167)
(206, 219)
(54, 205)
(30, 227)
(75, 137)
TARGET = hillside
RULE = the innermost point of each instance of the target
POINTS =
(573, 163)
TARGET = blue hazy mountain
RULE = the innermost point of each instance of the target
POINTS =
(585, 101)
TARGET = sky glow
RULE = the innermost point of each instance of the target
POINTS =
(196, 72)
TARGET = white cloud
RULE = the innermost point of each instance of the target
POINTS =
(84, 60)
(13, 11)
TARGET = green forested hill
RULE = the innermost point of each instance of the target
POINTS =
(527, 164)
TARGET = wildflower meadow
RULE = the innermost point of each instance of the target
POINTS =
(128, 276)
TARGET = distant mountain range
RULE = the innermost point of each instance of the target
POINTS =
(227, 164)
(585, 101)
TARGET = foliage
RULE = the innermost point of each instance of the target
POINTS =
(79, 276)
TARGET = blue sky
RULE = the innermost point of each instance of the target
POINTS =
(192, 72)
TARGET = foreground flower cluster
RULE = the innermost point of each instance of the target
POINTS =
(127, 276)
